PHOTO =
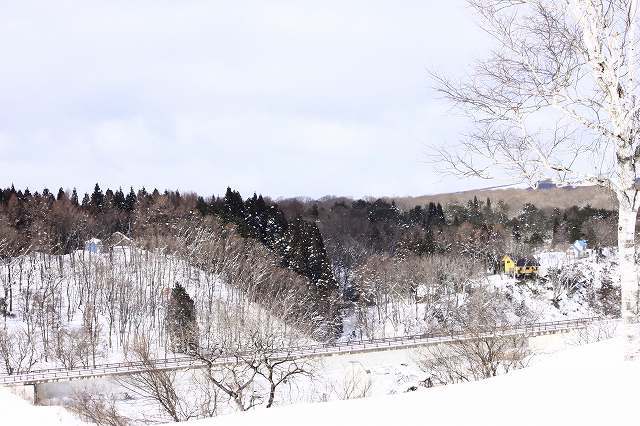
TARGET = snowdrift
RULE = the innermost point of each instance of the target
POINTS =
(16, 411)
(581, 386)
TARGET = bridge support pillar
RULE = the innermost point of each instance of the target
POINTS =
(27, 391)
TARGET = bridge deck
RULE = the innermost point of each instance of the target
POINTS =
(186, 362)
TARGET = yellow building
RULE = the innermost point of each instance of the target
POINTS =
(507, 264)
(527, 267)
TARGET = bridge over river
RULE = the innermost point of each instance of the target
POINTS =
(30, 380)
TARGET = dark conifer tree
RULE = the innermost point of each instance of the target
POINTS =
(305, 253)
(119, 200)
(234, 211)
(74, 198)
(130, 201)
(182, 326)
(109, 199)
(97, 199)
(475, 215)
(202, 206)
(487, 211)
(440, 215)
(142, 193)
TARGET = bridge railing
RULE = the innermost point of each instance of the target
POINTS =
(323, 348)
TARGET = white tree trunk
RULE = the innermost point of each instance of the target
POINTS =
(628, 281)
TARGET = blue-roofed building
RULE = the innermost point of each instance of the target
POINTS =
(578, 248)
(93, 245)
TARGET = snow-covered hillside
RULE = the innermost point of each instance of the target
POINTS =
(139, 279)
(566, 288)
(84, 308)
(587, 385)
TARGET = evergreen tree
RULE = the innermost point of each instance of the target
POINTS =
(432, 214)
(97, 199)
(234, 211)
(109, 199)
(475, 214)
(119, 200)
(74, 198)
(502, 212)
(202, 206)
(487, 211)
(305, 253)
(182, 326)
(130, 201)
(440, 215)
(142, 194)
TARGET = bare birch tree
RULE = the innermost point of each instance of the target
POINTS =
(557, 97)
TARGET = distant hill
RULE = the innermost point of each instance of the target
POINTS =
(547, 196)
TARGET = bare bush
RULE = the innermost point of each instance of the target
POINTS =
(275, 362)
(595, 332)
(564, 282)
(97, 409)
(235, 379)
(354, 385)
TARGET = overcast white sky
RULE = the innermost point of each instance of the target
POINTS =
(285, 98)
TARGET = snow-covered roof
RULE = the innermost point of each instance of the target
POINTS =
(93, 241)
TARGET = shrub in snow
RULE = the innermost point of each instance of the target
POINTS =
(609, 297)
(564, 282)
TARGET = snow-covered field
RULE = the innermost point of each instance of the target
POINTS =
(587, 385)
(347, 376)
(581, 385)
